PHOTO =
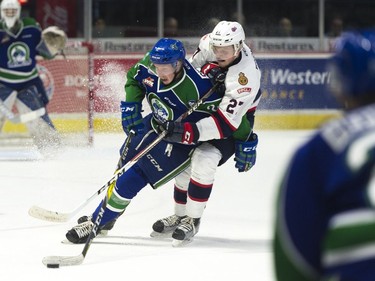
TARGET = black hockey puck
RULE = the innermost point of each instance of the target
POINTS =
(53, 265)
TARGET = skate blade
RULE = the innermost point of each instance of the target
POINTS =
(161, 235)
(181, 243)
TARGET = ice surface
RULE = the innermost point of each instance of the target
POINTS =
(233, 242)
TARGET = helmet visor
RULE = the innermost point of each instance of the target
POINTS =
(223, 53)
(164, 69)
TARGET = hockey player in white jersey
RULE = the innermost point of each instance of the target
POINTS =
(20, 85)
(228, 131)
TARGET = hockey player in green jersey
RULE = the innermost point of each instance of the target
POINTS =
(170, 84)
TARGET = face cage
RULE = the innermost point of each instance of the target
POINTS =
(10, 16)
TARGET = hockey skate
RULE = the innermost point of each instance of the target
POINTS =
(164, 228)
(185, 232)
(79, 233)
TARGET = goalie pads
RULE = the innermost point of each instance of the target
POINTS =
(54, 38)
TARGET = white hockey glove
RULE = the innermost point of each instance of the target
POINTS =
(55, 39)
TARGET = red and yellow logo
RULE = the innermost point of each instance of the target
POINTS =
(242, 79)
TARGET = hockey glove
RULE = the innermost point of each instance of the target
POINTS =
(131, 117)
(214, 72)
(55, 39)
(186, 133)
(216, 75)
(246, 154)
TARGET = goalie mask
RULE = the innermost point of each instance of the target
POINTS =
(228, 33)
(10, 12)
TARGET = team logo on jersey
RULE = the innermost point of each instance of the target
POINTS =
(148, 81)
(242, 79)
(18, 55)
(160, 110)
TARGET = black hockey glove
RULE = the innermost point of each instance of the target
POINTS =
(186, 133)
(216, 75)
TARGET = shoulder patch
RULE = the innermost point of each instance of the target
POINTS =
(29, 22)
(242, 79)
(148, 81)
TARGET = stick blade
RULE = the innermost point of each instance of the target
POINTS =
(29, 116)
(47, 215)
(57, 261)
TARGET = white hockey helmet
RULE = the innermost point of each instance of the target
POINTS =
(228, 33)
(10, 12)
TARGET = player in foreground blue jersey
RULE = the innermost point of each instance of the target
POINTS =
(20, 85)
(325, 227)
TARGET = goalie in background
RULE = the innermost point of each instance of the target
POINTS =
(21, 40)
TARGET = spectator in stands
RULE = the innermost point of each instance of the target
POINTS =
(285, 28)
(212, 22)
(240, 18)
(100, 29)
(170, 27)
(336, 27)
(208, 25)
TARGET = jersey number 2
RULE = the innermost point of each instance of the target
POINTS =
(232, 104)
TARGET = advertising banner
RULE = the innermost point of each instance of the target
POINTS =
(295, 82)
(298, 82)
(257, 44)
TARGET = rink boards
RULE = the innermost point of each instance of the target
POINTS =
(294, 91)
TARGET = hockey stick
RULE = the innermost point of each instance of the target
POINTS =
(44, 214)
(57, 261)
(20, 118)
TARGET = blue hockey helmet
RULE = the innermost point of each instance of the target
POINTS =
(167, 51)
(353, 64)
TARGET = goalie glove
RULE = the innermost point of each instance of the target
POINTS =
(54, 38)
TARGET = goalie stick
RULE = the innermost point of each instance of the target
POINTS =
(20, 118)
(57, 261)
